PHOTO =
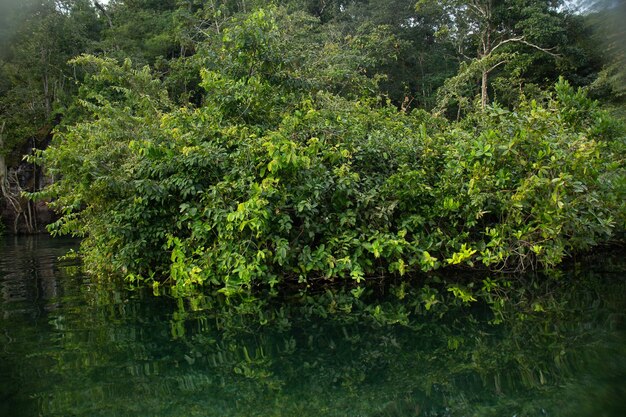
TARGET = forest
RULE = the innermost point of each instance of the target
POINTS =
(243, 146)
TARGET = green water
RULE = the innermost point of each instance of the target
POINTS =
(73, 347)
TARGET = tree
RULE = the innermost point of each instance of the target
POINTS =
(142, 30)
(420, 62)
(606, 19)
(496, 29)
(37, 84)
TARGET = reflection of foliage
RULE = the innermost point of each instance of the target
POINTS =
(112, 352)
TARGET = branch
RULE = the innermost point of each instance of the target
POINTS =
(496, 66)
(525, 42)
(104, 12)
(505, 42)
(467, 58)
(546, 50)
(481, 11)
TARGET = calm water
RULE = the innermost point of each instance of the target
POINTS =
(73, 347)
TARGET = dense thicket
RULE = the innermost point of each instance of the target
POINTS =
(238, 145)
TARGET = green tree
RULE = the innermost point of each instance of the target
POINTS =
(497, 31)
(37, 84)
(142, 30)
(606, 19)
(421, 62)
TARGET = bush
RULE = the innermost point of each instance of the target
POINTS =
(334, 189)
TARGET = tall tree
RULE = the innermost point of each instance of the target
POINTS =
(496, 30)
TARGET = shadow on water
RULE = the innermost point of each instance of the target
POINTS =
(73, 347)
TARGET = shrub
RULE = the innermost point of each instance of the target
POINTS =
(333, 189)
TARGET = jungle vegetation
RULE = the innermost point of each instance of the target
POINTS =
(245, 146)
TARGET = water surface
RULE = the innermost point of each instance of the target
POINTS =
(70, 346)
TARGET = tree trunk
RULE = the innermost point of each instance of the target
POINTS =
(483, 90)
(3, 164)
(104, 12)
(46, 82)
(4, 182)
(486, 51)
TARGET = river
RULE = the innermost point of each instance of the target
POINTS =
(71, 346)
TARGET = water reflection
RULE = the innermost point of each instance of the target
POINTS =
(72, 347)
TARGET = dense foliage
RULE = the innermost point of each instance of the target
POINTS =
(242, 145)
(412, 46)
(267, 183)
